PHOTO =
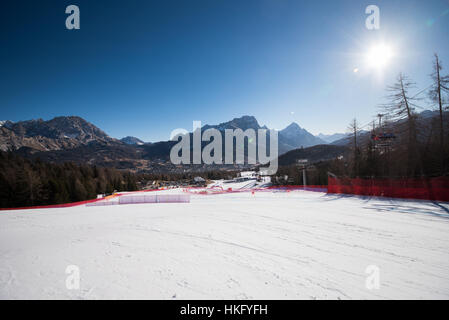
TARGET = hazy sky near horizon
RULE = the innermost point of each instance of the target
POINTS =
(144, 68)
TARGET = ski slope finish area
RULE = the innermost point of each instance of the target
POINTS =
(270, 245)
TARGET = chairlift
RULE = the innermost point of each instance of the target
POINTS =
(383, 137)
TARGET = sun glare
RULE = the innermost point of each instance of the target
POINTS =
(379, 56)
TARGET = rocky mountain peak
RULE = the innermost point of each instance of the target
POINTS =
(55, 134)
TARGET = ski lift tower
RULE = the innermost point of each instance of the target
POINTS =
(302, 164)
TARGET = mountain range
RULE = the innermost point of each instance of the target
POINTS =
(64, 133)
(290, 138)
(75, 139)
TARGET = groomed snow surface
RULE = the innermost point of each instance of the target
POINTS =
(270, 245)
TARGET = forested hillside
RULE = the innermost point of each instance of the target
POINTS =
(26, 182)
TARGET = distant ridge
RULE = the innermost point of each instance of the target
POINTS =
(329, 138)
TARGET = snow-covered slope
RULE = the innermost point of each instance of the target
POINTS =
(297, 245)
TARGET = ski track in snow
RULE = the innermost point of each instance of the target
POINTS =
(271, 245)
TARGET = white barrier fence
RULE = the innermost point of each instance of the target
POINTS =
(141, 198)
(155, 198)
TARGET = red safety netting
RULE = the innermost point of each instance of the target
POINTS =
(424, 188)
(63, 205)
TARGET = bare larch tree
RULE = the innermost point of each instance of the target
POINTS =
(440, 87)
(353, 130)
(401, 108)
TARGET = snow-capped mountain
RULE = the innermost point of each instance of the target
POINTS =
(244, 123)
(132, 141)
(6, 123)
(297, 137)
(290, 138)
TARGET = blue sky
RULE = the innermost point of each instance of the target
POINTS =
(144, 68)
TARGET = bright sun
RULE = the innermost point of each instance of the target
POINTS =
(379, 56)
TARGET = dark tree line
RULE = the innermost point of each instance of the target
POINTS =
(26, 182)
(32, 182)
